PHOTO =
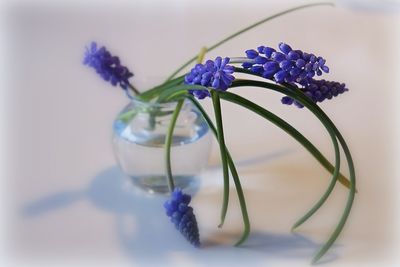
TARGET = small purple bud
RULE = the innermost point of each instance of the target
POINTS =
(325, 69)
(310, 74)
(295, 71)
(260, 60)
(286, 65)
(300, 63)
(251, 54)
(308, 67)
(271, 66)
(287, 100)
(257, 69)
(277, 56)
(285, 48)
(260, 49)
(247, 65)
(268, 51)
(293, 55)
(306, 56)
(280, 76)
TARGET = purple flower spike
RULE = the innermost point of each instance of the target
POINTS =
(318, 91)
(182, 216)
(294, 65)
(107, 66)
(216, 74)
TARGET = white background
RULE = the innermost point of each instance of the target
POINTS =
(66, 203)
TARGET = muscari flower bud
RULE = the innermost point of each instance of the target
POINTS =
(181, 215)
(307, 65)
(107, 66)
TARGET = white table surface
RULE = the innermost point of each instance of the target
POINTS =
(68, 204)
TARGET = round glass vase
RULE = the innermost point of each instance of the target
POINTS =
(138, 141)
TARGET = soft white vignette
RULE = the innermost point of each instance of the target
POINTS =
(4, 261)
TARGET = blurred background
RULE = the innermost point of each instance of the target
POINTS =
(64, 200)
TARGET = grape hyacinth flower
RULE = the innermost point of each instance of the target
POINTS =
(216, 74)
(286, 65)
(318, 91)
(107, 66)
(181, 214)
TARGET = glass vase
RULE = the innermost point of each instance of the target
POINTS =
(138, 141)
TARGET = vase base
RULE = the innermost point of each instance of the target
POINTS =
(157, 184)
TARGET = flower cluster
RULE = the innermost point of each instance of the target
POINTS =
(216, 74)
(181, 214)
(318, 91)
(107, 66)
(286, 66)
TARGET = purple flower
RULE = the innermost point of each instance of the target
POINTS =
(318, 91)
(286, 66)
(216, 74)
(182, 216)
(107, 66)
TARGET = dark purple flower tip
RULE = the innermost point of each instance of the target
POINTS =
(286, 100)
(216, 74)
(107, 66)
(247, 65)
(181, 215)
(284, 48)
(325, 69)
(319, 91)
(251, 54)
(268, 51)
(260, 49)
(260, 60)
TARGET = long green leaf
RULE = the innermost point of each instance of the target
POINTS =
(299, 96)
(351, 195)
(155, 91)
(221, 141)
(235, 176)
(317, 154)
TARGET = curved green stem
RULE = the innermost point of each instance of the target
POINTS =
(299, 96)
(153, 92)
(221, 141)
(212, 47)
(235, 176)
(318, 155)
(351, 195)
(133, 88)
(168, 141)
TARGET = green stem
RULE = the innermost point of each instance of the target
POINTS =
(221, 141)
(318, 155)
(299, 96)
(133, 88)
(235, 176)
(212, 47)
(351, 195)
(168, 141)
(149, 94)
